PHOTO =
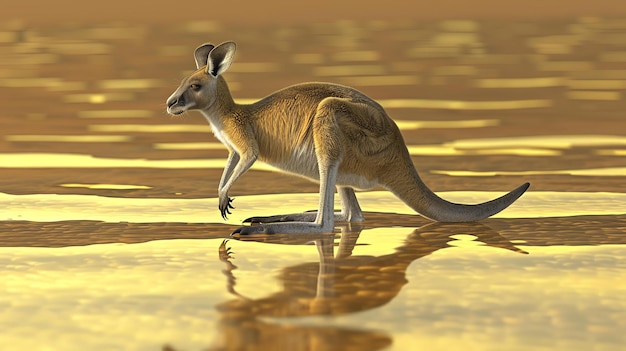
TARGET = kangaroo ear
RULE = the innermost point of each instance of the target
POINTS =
(202, 54)
(220, 58)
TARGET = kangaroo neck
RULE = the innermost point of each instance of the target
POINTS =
(223, 105)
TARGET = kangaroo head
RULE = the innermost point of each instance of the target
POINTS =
(199, 90)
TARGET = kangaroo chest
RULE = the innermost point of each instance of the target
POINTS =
(218, 132)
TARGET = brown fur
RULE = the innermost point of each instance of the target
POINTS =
(326, 132)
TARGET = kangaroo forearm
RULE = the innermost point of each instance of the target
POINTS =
(231, 162)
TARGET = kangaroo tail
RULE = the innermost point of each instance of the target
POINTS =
(412, 190)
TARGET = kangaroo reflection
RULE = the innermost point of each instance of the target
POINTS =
(340, 283)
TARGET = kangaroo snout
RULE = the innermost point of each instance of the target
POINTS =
(173, 102)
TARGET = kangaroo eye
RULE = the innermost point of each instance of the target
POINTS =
(195, 87)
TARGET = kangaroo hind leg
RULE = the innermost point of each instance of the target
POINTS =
(350, 211)
(329, 153)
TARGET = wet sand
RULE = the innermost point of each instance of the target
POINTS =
(110, 229)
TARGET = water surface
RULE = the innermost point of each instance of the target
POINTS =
(110, 237)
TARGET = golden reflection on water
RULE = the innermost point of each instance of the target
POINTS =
(438, 285)
(380, 80)
(592, 172)
(308, 58)
(52, 160)
(446, 150)
(541, 141)
(598, 84)
(469, 123)
(465, 105)
(615, 56)
(69, 138)
(190, 146)
(105, 186)
(349, 70)
(603, 74)
(619, 152)
(112, 84)
(151, 128)
(594, 95)
(461, 70)
(356, 55)
(522, 146)
(43, 207)
(565, 66)
(539, 82)
(255, 67)
(98, 98)
(108, 296)
(31, 82)
(115, 114)
(80, 47)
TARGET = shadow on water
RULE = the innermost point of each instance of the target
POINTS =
(339, 283)
(342, 283)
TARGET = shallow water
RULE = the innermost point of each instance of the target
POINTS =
(110, 237)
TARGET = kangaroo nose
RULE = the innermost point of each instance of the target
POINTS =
(172, 102)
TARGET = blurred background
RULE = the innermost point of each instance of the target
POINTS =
(279, 12)
(536, 78)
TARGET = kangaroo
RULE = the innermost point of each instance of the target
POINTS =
(328, 133)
